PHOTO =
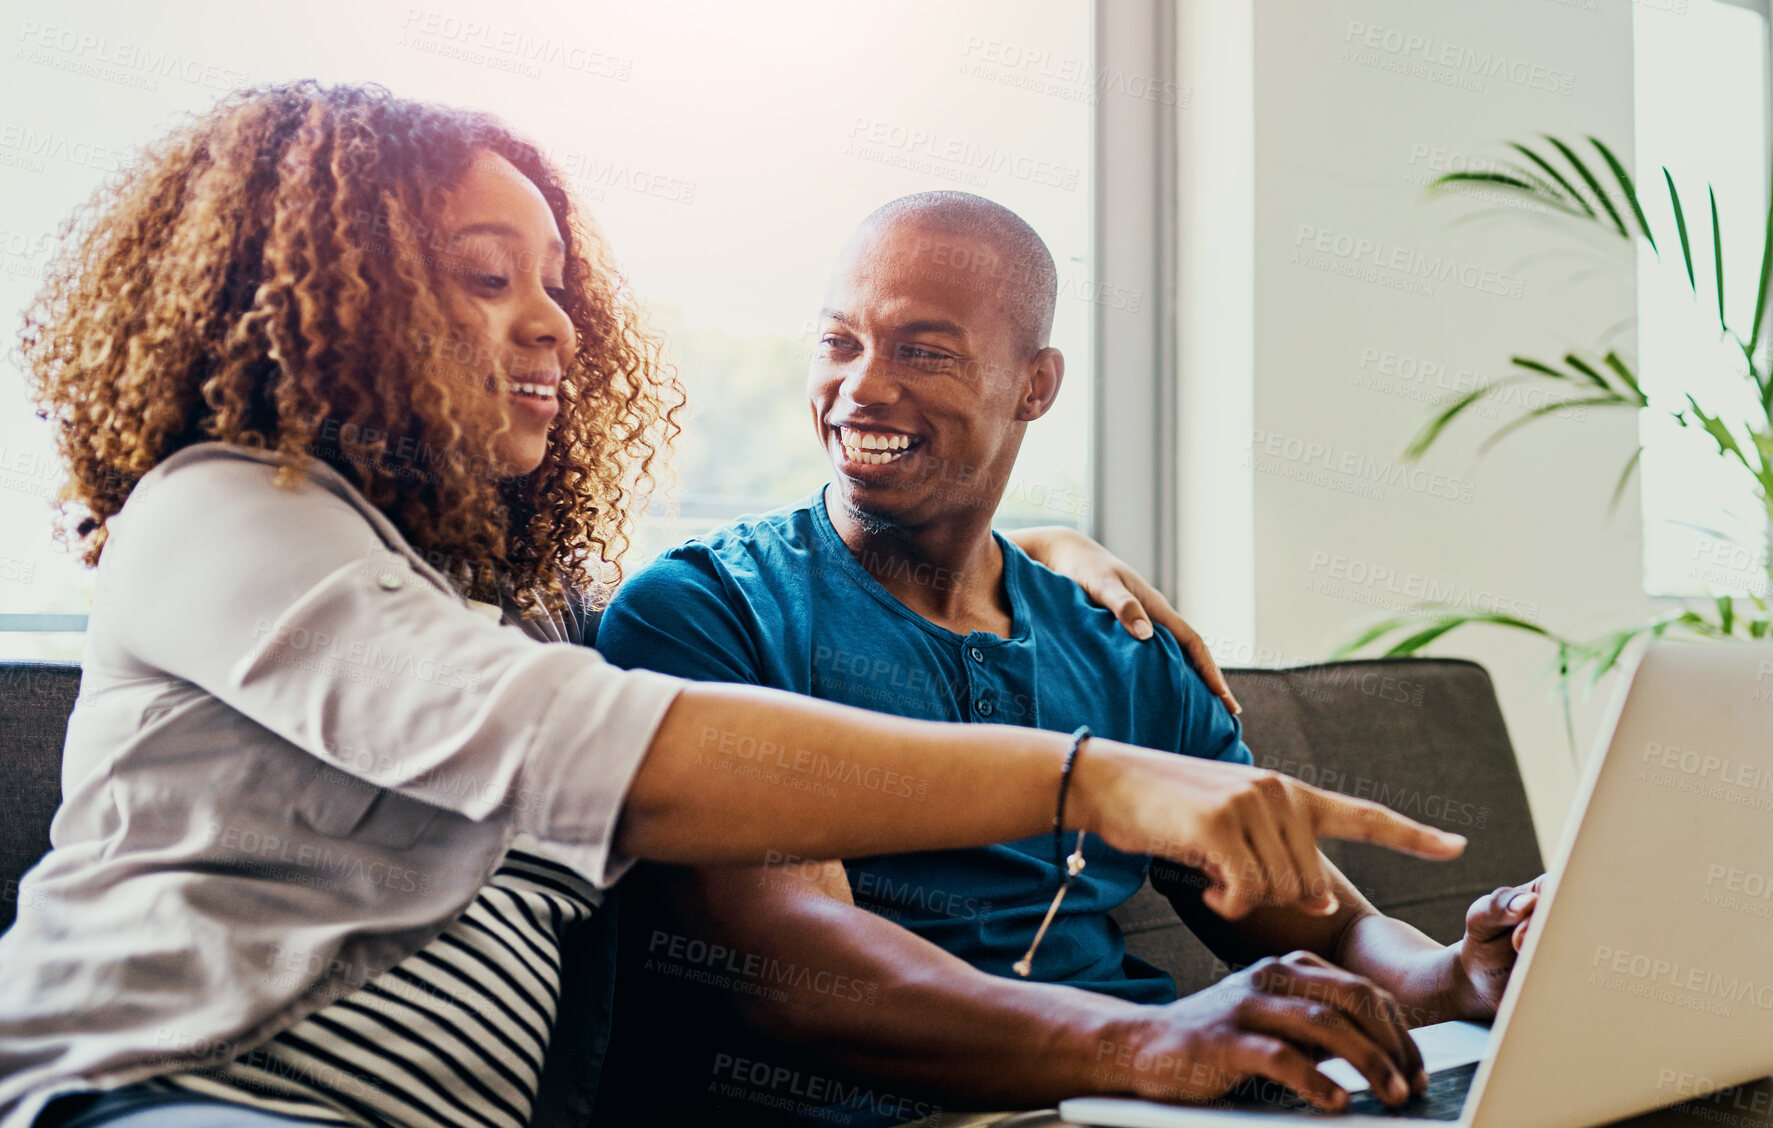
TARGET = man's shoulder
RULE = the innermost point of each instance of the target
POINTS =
(1063, 612)
(751, 552)
(1171, 706)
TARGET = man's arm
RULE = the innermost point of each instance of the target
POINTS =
(1429, 982)
(1356, 936)
(883, 1002)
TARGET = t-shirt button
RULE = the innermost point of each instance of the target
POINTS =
(388, 581)
(978, 655)
(984, 707)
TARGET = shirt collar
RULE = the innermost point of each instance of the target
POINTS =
(830, 544)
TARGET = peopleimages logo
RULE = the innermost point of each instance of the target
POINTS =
(1412, 53)
(1364, 259)
(1654, 972)
(505, 47)
(1348, 576)
(1070, 77)
(1705, 765)
(871, 137)
(1318, 463)
(128, 63)
(768, 755)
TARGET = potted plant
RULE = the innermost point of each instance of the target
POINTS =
(1599, 194)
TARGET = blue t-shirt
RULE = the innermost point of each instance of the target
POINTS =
(780, 601)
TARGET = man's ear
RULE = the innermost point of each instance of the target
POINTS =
(1044, 378)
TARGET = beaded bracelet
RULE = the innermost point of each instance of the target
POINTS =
(1070, 867)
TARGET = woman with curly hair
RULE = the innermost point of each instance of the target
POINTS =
(354, 407)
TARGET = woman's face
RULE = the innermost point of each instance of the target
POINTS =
(502, 286)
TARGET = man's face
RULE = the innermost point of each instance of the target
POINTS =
(920, 383)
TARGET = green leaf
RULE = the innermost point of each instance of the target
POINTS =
(1625, 374)
(1594, 185)
(1516, 424)
(1377, 631)
(1763, 442)
(1441, 620)
(1546, 188)
(1431, 431)
(1718, 430)
(1717, 252)
(1754, 333)
(1631, 464)
(1453, 620)
(1527, 185)
(1556, 176)
(1630, 190)
(1422, 638)
(1674, 197)
(1497, 178)
(1607, 656)
(1588, 370)
(1727, 614)
(1537, 366)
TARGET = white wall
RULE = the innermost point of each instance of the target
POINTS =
(1308, 360)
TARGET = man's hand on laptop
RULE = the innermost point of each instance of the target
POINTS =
(1495, 929)
(1252, 833)
(1273, 1021)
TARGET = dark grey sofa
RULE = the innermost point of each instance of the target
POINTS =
(35, 698)
(1422, 735)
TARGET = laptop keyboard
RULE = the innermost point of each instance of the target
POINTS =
(1443, 1100)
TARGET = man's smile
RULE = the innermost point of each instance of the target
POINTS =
(874, 447)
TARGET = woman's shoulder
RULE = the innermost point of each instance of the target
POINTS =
(228, 469)
(226, 500)
(210, 483)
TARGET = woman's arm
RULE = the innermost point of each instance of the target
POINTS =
(1108, 580)
(743, 774)
(285, 606)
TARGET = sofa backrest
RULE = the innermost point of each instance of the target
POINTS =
(35, 699)
(1422, 736)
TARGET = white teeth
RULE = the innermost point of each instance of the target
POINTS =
(872, 457)
(872, 448)
(539, 391)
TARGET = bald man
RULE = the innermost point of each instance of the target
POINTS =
(887, 984)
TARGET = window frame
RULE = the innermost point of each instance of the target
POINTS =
(1764, 8)
(1133, 469)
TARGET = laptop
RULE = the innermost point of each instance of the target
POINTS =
(1647, 975)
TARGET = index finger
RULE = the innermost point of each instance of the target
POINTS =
(1361, 820)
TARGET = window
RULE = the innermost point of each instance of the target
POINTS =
(726, 150)
(1702, 112)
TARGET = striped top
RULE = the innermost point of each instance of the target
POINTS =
(452, 1037)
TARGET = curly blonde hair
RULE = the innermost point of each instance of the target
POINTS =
(267, 275)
